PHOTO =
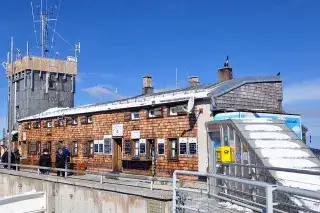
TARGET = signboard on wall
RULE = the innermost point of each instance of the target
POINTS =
(293, 121)
(135, 134)
(117, 130)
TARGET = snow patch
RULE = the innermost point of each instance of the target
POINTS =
(269, 135)
(292, 163)
(256, 120)
(229, 205)
(284, 153)
(263, 127)
(276, 144)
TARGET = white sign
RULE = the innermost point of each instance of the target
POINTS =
(117, 130)
(245, 155)
(160, 140)
(192, 140)
(107, 136)
(135, 134)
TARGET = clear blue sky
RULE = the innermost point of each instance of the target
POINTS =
(123, 40)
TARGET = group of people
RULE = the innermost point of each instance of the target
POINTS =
(15, 157)
(62, 159)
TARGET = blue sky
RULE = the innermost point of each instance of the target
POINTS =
(123, 40)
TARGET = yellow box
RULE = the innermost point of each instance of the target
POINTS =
(225, 154)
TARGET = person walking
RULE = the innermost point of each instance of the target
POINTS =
(60, 161)
(17, 156)
(45, 161)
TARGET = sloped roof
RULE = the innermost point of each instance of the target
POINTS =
(171, 96)
(198, 92)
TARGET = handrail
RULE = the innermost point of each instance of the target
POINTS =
(300, 171)
(101, 174)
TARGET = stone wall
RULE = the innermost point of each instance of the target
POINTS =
(166, 127)
(266, 96)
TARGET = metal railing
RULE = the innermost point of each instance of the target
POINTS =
(102, 175)
(288, 199)
(203, 199)
(200, 194)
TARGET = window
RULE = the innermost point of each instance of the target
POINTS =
(75, 121)
(33, 148)
(135, 116)
(142, 147)
(136, 147)
(59, 123)
(88, 148)
(107, 146)
(27, 126)
(127, 147)
(98, 146)
(192, 145)
(49, 124)
(155, 113)
(173, 149)
(89, 119)
(187, 146)
(160, 143)
(73, 148)
(178, 110)
(183, 146)
(51, 83)
(36, 125)
(47, 145)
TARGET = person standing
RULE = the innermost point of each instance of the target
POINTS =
(45, 161)
(5, 159)
(17, 156)
(60, 161)
(66, 154)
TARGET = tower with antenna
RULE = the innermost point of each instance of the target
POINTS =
(39, 80)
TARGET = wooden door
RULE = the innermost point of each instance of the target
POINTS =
(117, 155)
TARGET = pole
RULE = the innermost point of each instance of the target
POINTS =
(10, 112)
(27, 48)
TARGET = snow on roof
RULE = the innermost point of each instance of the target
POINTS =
(263, 127)
(276, 144)
(284, 153)
(138, 101)
(269, 135)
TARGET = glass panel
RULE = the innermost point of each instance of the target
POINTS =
(183, 148)
(160, 148)
(192, 148)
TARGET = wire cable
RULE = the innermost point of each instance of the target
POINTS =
(34, 26)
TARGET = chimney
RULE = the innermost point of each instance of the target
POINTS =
(147, 85)
(225, 73)
(193, 81)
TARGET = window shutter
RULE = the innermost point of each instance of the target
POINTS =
(169, 149)
(148, 154)
(127, 116)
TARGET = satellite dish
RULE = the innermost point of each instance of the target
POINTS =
(190, 104)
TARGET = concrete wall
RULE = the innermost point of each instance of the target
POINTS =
(204, 117)
(76, 196)
(29, 95)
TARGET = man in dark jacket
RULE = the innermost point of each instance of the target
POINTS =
(45, 161)
(60, 161)
(17, 156)
(5, 159)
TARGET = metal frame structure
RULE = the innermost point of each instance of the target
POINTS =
(98, 173)
(269, 200)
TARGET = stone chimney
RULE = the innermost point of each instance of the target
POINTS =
(193, 81)
(147, 85)
(225, 73)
